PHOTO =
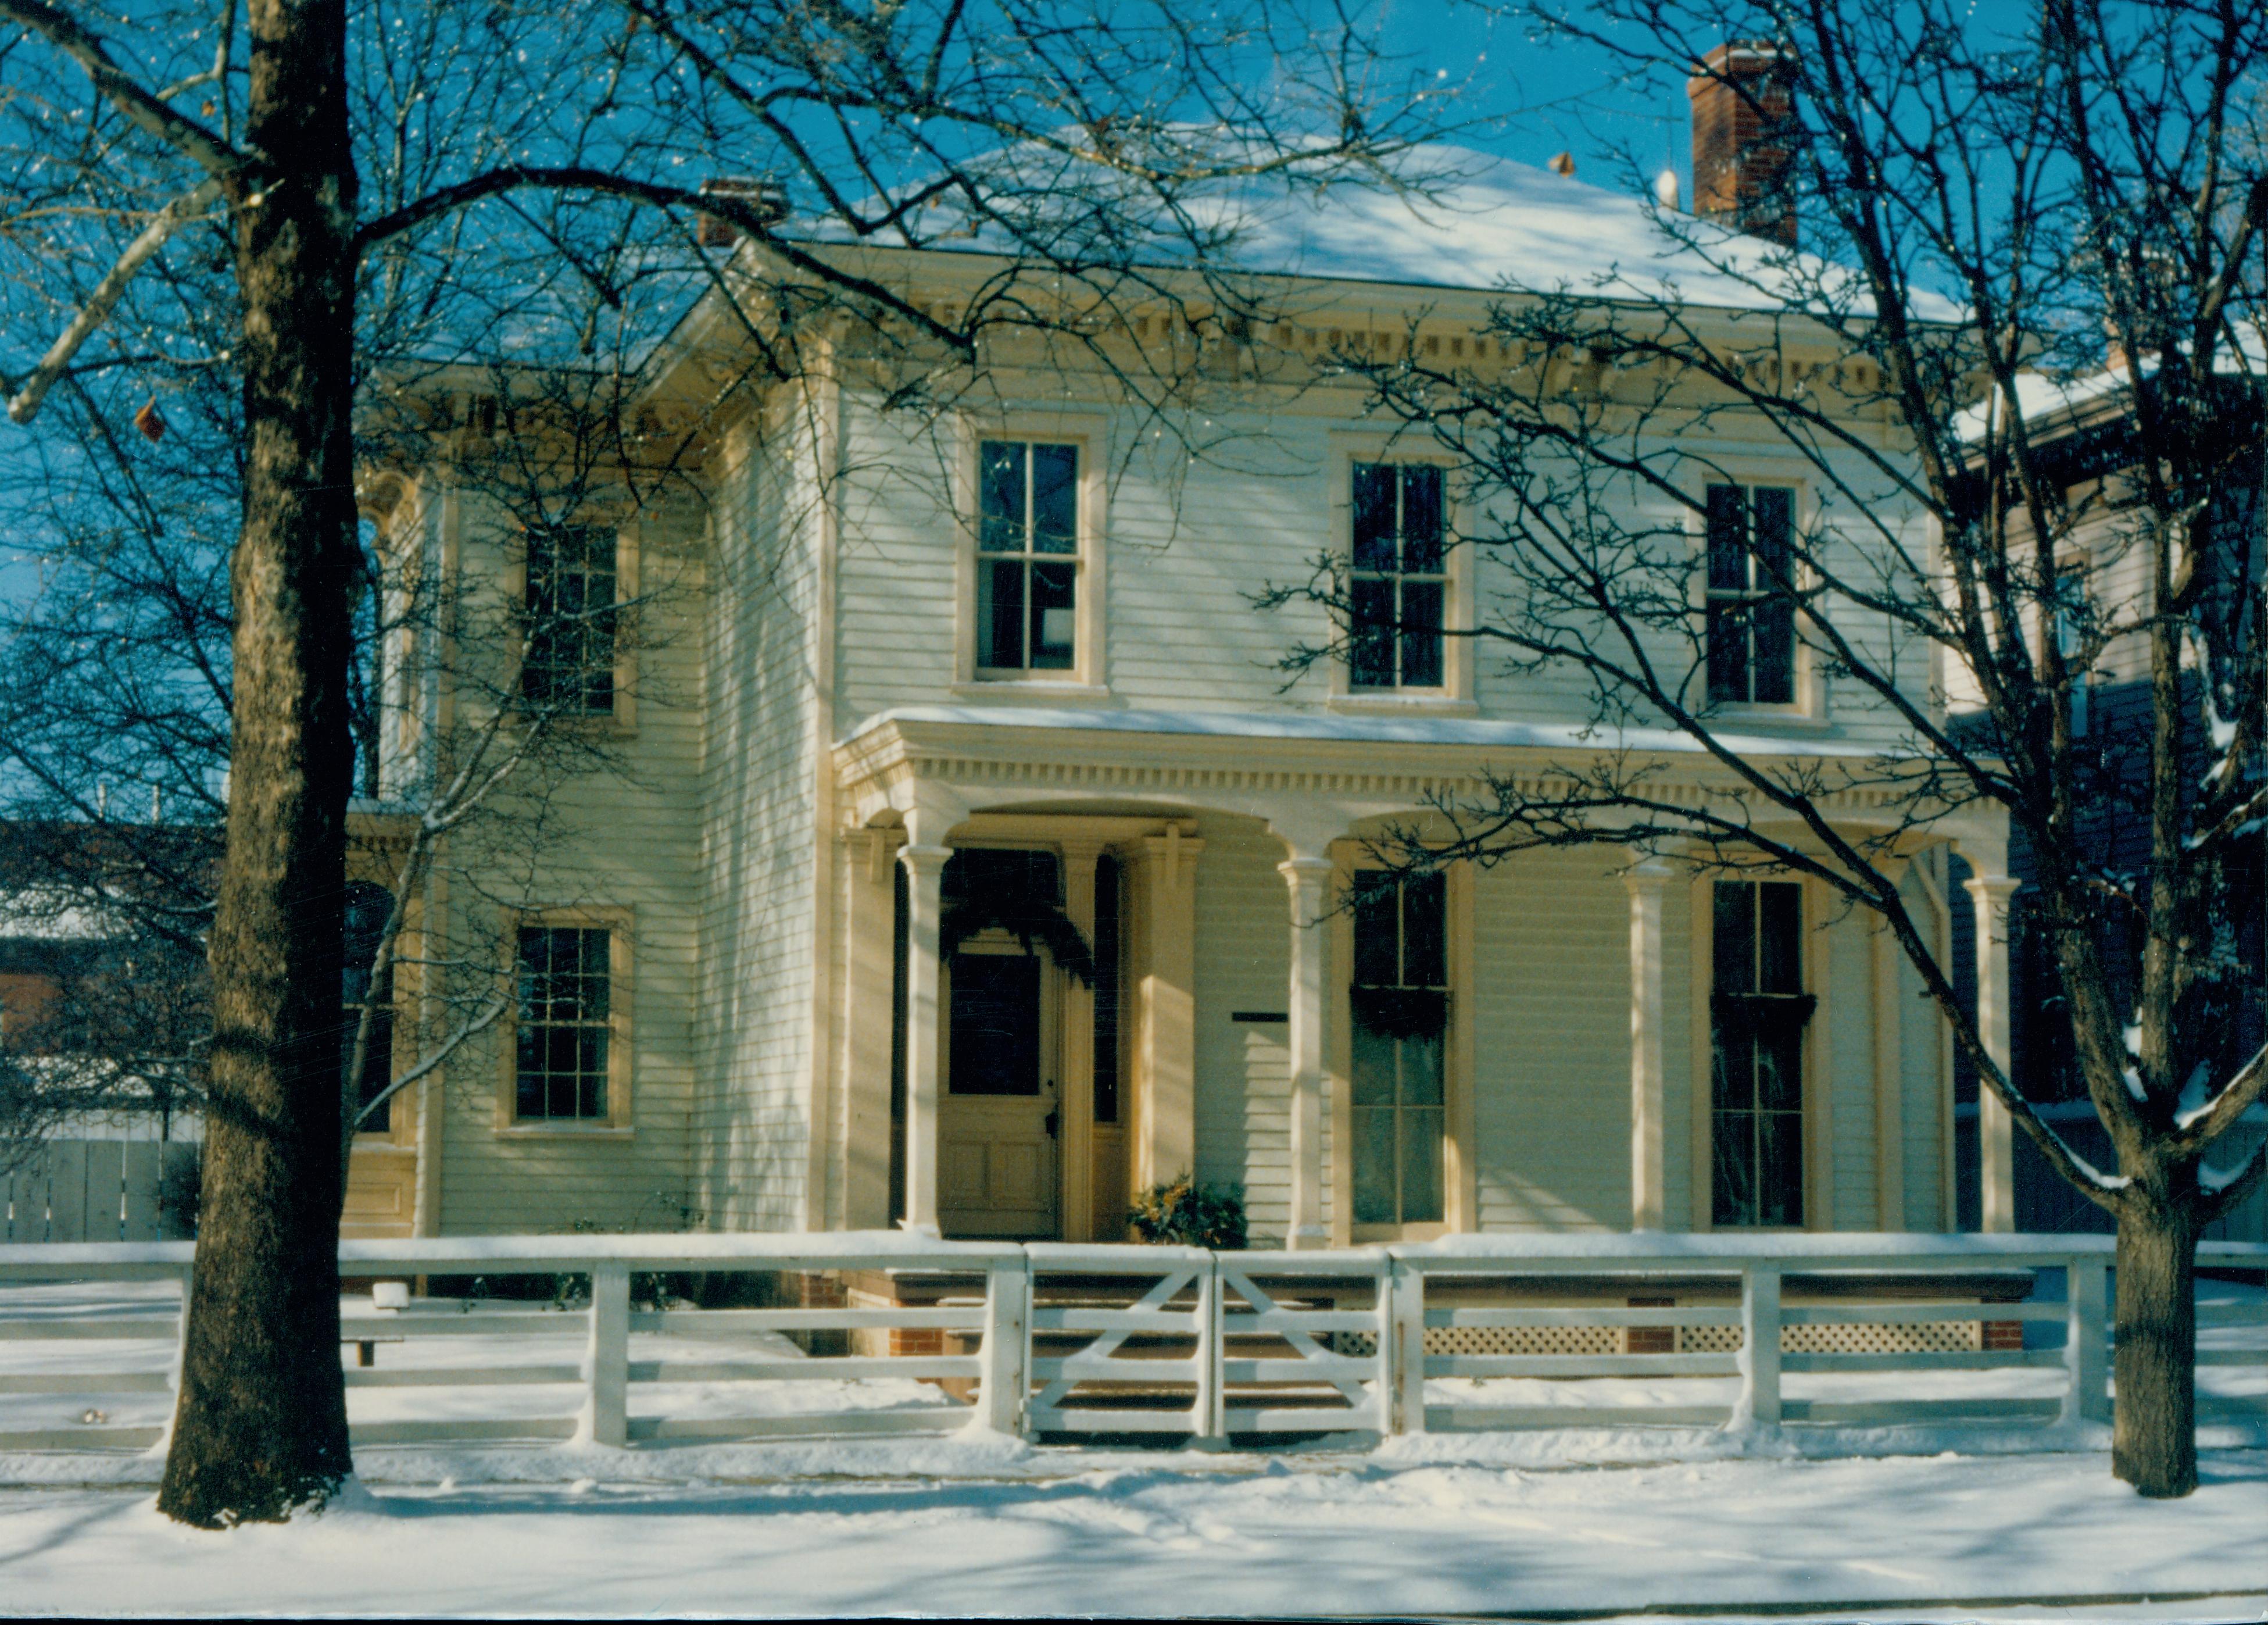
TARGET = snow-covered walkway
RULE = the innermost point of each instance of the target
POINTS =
(1072, 1532)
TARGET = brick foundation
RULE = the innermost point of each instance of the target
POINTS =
(2003, 1336)
(1651, 1339)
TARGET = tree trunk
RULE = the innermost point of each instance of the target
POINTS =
(2154, 1434)
(261, 1426)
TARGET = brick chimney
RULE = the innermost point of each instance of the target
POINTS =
(766, 199)
(1743, 101)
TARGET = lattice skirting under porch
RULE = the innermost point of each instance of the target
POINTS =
(1933, 1337)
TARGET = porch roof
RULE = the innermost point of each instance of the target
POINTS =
(1362, 728)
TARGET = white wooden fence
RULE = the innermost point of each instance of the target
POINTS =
(1053, 1340)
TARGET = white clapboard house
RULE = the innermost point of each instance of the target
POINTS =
(931, 680)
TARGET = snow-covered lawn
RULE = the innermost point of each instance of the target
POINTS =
(1048, 1533)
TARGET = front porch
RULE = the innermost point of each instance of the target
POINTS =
(1208, 860)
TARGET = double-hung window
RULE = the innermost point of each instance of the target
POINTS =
(565, 1035)
(573, 608)
(1399, 588)
(1758, 1012)
(1026, 556)
(1400, 1008)
(1751, 608)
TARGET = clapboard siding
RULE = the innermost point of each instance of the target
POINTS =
(757, 835)
(1551, 1084)
(1243, 1069)
(619, 837)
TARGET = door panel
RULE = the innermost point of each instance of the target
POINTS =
(997, 1162)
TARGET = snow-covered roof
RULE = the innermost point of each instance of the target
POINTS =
(1363, 730)
(1460, 219)
(2041, 396)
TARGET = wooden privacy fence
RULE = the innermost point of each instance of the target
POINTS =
(864, 1334)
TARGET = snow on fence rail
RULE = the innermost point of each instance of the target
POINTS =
(872, 1333)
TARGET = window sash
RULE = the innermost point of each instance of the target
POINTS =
(572, 586)
(1028, 555)
(564, 1041)
(1750, 617)
(1398, 1087)
(1399, 587)
(1757, 1039)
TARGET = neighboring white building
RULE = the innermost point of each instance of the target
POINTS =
(1026, 631)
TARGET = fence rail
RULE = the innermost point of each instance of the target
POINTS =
(915, 1335)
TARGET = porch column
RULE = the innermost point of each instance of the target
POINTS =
(1308, 879)
(1167, 1145)
(1889, 1072)
(1646, 880)
(925, 882)
(1075, 1101)
(868, 927)
(1995, 1130)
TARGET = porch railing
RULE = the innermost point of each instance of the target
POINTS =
(866, 1334)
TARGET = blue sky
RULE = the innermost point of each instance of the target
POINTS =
(1541, 99)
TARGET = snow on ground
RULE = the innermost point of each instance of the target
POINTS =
(1314, 1534)
(1944, 1522)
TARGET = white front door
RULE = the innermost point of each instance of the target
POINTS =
(997, 1120)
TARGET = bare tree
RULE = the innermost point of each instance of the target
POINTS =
(1978, 207)
(376, 179)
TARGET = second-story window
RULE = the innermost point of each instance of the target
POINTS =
(1026, 556)
(1751, 613)
(1401, 583)
(571, 614)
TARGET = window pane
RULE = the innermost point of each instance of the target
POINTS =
(1774, 511)
(1421, 1167)
(1729, 541)
(1773, 679)
(1421, 634)
(993, 1045)
(1728, 652)
(1373, 1165)
(1778, 1049)
(1373, 516)
(1000, 614)
(1424, 931)
(561, 1046)
(1377, 961)
(1054, 498)
(1000, 496)
(1054, 622)
(1421, 518)
(1732, 943)
(1374, 1061)
(1733, 1190)
(1780, 934)
(1779, 1172)
(1370, 655)
(1421, 1071)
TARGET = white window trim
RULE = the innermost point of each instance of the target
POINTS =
(1088, 678)
(1810, 708)
(1455, 697)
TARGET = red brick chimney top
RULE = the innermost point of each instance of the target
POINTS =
(1743, 96)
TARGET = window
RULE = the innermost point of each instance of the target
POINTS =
(1751, 613)
(1401, 583)
(1758, 1012)
(571, 614)
(1400, 1006)
(367, 907)
(565, 1038)
(1026, 556)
